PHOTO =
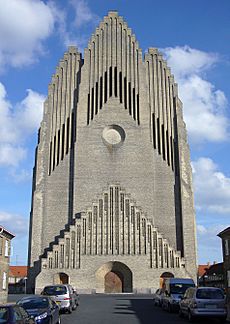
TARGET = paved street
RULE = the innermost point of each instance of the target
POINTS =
(119, 309)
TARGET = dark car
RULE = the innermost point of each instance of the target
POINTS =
(42, 308)
(157, 297)
(14, 314)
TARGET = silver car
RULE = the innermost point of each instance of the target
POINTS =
(64, 296)
(203, 302)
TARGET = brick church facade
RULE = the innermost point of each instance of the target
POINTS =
(112, 205)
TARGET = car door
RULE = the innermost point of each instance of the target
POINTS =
(54, 310)
(184, 301)
(19, 319)
(26, 317)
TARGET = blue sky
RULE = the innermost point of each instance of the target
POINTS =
(194, 36)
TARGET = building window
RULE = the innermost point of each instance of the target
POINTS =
(228, 278)
(1, 243)
(6, 248)
(4, 281)
(226, 246)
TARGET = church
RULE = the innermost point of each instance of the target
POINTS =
(112, 198)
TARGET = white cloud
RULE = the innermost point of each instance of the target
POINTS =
(16, 224)
(209, 241)
(24, 25)
(212, 187)
(83, 13)
(16, 124)
(204, 106)
(186, 60)
(72, 32)
(11, 155)
(29, 112)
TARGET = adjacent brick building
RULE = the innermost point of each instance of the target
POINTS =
(5, 243)
(112, 187)
(17, 279)
(225, 236)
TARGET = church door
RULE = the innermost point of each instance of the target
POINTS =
(113, 283)
(64, 278)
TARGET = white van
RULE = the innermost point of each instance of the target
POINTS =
(174, 289)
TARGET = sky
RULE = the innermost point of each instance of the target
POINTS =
(193, 36)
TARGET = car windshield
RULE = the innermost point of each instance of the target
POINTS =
(4, 314)
(55, 290)
(209, 294)
(34, 303)
(179, 288)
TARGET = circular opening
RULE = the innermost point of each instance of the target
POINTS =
(113, 135)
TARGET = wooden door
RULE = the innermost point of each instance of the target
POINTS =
(113, 283)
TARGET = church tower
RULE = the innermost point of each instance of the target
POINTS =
(112, 204)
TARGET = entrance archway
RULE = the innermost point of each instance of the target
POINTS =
(164, 276)
(114, 277)
(114, 282)
(61, 278)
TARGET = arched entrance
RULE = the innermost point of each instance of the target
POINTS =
(114, 277)
(61, 278)
(164, 276)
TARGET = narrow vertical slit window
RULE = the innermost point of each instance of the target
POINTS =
(134, 104)
(115, 81)
(158, 136)
(125, 92)
(130, 108)
(50, 161)
(92, 103)
(58, 147)
(101, 92)
(88, 109)
(63, 141)
(72, 129)
(172, 148)
(110, 81)
(167, 143)
(54, 152)
(120, 86)
(138, 110)
(163, 141)
(67, 136)
(96, 103)
(105, 88)
(154, 130)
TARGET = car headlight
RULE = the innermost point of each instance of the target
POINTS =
(175, 301)
(41, 316)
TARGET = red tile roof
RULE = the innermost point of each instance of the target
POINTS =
(202, 269)
(18, 271)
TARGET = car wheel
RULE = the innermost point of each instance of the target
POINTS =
(181, 313)
(190, 317)
(169, 308)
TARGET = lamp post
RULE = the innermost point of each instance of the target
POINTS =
(25, 284)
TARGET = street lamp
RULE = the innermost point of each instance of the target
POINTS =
(25, 278)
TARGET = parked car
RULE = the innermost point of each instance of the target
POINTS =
(64, 295)
(173, 291)
(13, 314)
(204, 302)
(43, 309)
(157, 297)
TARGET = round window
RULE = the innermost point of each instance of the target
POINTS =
(113, 135)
